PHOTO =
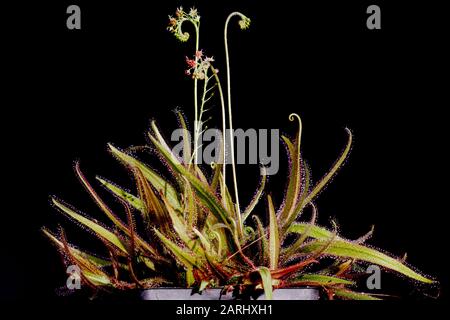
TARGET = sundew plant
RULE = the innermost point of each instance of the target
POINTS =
(187, 228)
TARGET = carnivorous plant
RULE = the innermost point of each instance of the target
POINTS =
(194, 231)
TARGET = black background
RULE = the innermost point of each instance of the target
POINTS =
(69, 92)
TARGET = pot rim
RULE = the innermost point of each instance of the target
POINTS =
(177, 293)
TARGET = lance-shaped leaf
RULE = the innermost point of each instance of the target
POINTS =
(295, 173)
(119, 192)
(201, 175)
(186, 139)
(346, 249)
(321, 233)
(203, 191)
(96, 279)
(155, 212)
(184, 257)
(158, 183)
(266, 282)
(286, 272)
(103, 206)
(190, 206)
(89, 268)
(203, 240)
(215, 179)
(99, 262)
(257, 196)
(227, 200)
(181, 229)
(322, 183)
(161, 140)
(217, 232)
(319, 279)
(292, 248)
(218, 167)
(304, 192)
(98, 229)
(274, 238)
(314, 231)
(263, 243)
(190, 279)
(352, 295)
(149, 263)
(178, 224)
(110, 214)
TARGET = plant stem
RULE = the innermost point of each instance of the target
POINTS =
(197, 40)
(222, 102)
(202, 105)
(230, 120)
(204, 99)
(198, 122)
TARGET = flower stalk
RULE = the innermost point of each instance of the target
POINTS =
(244, 23)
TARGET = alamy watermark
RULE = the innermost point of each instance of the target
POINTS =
(252, 146)
(73, 281)
(374, 280)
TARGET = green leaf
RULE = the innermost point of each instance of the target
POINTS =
(289, 250)
(322, 279)
(217, 232)
(190, 210)
(321, 184)
(301, 202)
(90, 266)
(98, 262)
(266, 282)
(204, 241)
(180, 227)
(218, 168)
(345, 249)
(149, 263)
(186, 139)
(306, 199)
(227, 200)
(203, 191)
(161, 140)
(294, 177)
(96, 279)
(257, 196)
(347, 294)
(200, 175)
(132, 200)
(178, 224)
(264, 245)
(155, 212)
(122, 226)
(190, 280)
(184, 257)
(274, 238)
(98, 229)
(159, 183)
(314, 231)
(102, 205)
